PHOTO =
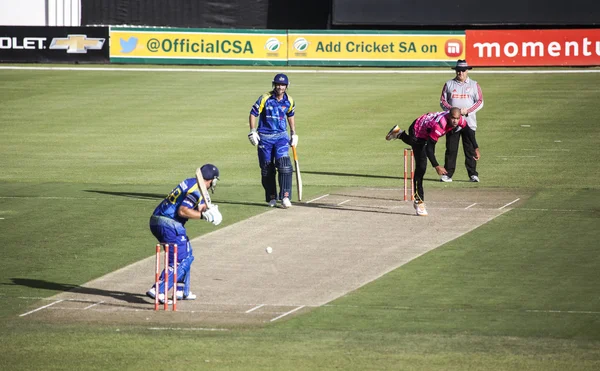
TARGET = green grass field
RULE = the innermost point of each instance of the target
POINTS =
(86, 155)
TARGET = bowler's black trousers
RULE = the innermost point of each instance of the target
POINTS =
(418, 147)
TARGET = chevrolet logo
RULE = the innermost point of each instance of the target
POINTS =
(76, 43)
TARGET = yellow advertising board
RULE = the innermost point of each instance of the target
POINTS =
(197, 46)
(375, 48)
(285, 47)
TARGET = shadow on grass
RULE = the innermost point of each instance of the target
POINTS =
(67, 287)
(437, 180)
(147, 196)
(153, 196)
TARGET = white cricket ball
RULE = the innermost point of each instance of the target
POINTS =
(269, 249)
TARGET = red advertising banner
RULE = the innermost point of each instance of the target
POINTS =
(579, 47)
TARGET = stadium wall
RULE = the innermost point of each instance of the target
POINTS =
(238, 14)
(465, 13)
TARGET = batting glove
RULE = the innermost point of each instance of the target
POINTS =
(253, 137)
(294, 140)
(213, 215)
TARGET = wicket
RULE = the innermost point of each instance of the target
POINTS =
(165, 276)
(412, 174)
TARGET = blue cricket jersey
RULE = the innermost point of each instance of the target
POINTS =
(186, 193)
(272, 114)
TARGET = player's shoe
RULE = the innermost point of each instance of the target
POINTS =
(190, 296)
(161, 299)
(420, 208)
(272, 203)
(445, 179)
(394, 133)
(474, 178)
(286, 203)
(151, 293)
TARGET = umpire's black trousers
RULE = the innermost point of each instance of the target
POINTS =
(452, 139)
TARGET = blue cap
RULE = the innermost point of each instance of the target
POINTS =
(280, 78)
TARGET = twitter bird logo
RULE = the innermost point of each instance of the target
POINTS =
(127, 46)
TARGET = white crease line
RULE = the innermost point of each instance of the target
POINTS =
(40, 308)
(508, 204)
(318, 198)
(343, 202)
(286, 313)
(470, 206)
(525, 126)
(206, 303)
(516, 156)
(149, 308)
(93, 305)
(255, 308)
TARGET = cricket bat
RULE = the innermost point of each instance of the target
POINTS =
(298, 176)
(203, 190)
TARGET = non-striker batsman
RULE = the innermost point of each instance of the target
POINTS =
(274, 111)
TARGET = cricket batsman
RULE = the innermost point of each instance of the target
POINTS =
(167, 224)
(274, 111)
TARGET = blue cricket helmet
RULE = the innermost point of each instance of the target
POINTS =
(209, 172)
(281, 78)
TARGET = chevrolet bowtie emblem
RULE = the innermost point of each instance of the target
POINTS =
(76, 43)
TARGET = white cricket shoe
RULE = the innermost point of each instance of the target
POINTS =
(191, 296)
(286, 203)
(273, 202)
(161, 299)
(445, 178)
(420, 208)
(394, 133)
(474, 178)
(151, 293)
